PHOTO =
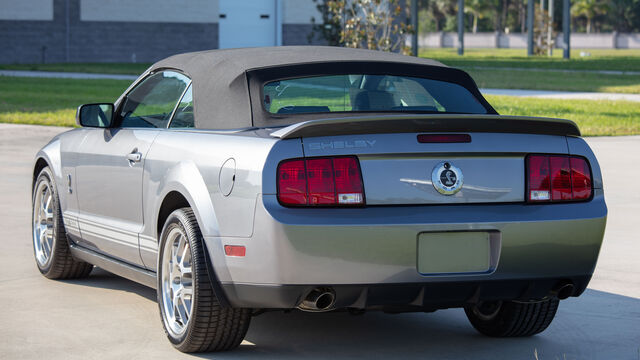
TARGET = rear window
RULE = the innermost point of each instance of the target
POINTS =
(368, 93)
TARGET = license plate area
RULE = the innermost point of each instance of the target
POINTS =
(458, 252)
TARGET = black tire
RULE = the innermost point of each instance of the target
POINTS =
(512, 319)
(60, 264)
(210, 327)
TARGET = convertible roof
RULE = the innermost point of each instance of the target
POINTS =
(220, 86)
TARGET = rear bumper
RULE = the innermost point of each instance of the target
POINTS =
(425, 296)
(368, 255)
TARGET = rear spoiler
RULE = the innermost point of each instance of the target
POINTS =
(407, 123)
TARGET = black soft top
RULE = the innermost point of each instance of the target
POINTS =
(227, 83)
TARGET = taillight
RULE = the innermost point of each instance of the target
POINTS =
(556, 178)
(326, 181)
(580, 178)
(292, 182)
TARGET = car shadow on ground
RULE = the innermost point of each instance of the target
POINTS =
(100, 278)
(576, 332)
(445, 334)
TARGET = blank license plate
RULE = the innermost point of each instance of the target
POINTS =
(453, 252)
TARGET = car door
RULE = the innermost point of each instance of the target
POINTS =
(110, 166)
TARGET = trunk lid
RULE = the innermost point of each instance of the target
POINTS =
(398, 170)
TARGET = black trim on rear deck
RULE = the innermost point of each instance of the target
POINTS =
(414, 123)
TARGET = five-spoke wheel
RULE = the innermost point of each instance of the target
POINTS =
(177, 281)
(43, 222)
(191, 313)
(50, 244)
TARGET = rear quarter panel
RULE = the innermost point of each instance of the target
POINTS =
(190, 163)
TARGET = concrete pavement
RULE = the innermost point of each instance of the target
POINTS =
(107, 317)
(65, 75)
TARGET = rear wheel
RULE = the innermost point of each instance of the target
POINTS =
(50, 245)
(510, 318)
(192, 316)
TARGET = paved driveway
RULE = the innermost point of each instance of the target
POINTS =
(109, 317)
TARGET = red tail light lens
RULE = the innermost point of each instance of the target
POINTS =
(320, 181)
(558, 178)
(292, 182)
(581, 178)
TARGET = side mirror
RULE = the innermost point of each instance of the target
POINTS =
(95, 115)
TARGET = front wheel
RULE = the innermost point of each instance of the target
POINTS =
(50, 245)
(511, 318)
(192, 317)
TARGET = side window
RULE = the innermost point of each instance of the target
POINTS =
(183, 117)
(151, 102)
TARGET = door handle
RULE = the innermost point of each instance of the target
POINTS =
(134, 157)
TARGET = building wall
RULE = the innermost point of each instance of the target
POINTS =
(297, 26)
(107, 31)
(35, 31)
(161, 11)
(26, 10)
(299, 11)
(32, 39)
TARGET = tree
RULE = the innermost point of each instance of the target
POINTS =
(330, 27)
(434, 14)
(541, 31)
(589, 9)
(477, 8)
(624, 15)
(371, 24)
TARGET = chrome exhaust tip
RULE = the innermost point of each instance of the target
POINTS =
(563, 290)
(318, 300)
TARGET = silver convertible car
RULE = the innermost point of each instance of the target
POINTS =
(316, 178)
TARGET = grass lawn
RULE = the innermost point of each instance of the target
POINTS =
(595, 118)
(487, 67)
(600, 59)
(553, 80)
(96, 68)
(54, 102)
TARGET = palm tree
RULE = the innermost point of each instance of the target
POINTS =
(589, 9)
(477, 8)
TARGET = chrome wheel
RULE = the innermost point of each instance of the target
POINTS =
(43, 223)
(177, 281)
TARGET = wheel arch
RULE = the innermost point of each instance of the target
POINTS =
(49, 156)
(174, 200)
(185, 187)
(40, 164)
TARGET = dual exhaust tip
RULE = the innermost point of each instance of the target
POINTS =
(318, 300)
(563, 290)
